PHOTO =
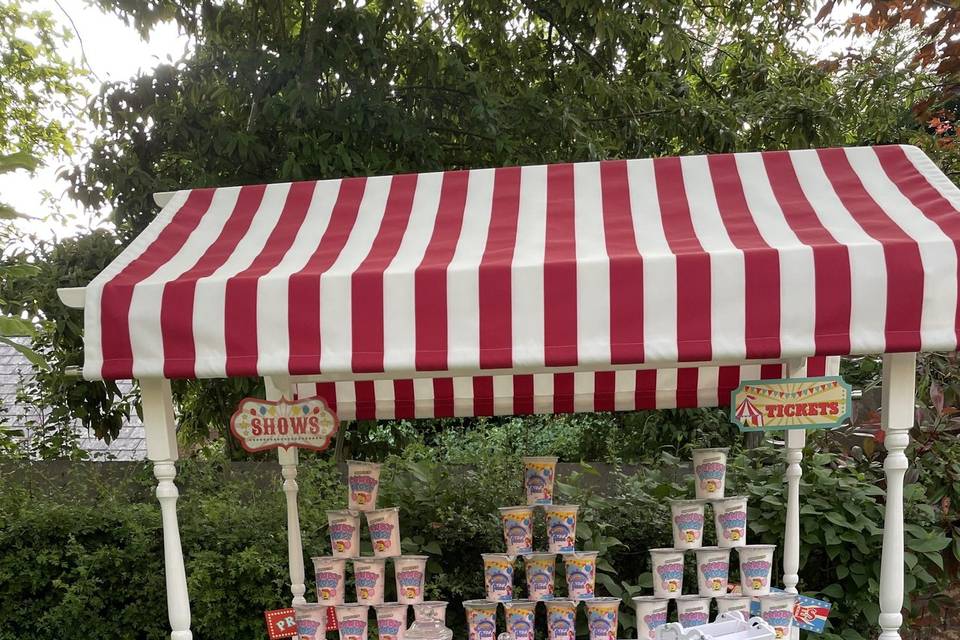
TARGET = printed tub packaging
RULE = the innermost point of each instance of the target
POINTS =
(540, 569)
(498, 576)
(756, 566)
(384, 525)
(710, 471)
(713, 570)
(687, 517)
(667, 568)
(368, 577)
(363, 482)
(561, 619)
(352, 621)
(481, 619)
(733, 603)
(693, 611)
(538, 475)
(580, 568)
(730, 516)
(517, 529)
(776, 609)
(344, 533)
(651, 615)
(391, 621)
(561, 527)
(410, 573)
(311, 621)
(602, 618)
(520, 616)
(329, 573)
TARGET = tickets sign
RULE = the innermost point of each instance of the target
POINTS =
(790, 403)
(281, 623)
(265, 424)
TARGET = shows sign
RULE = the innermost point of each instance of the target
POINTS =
(265, 424)
(790, 403)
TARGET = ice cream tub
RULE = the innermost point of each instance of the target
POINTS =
(391, 621)
(363, 482)
(344, 533)
(540, 569)
(410, 574)
(481, 619)
(602, 618)
(352, 621)
(687, 517)
(733, 603)
(329, 573)
(756, 567)
(651, 615)
(517, 529)
(666, 565)
(693, 611)
(538, 476)
(498, 576)
(776, 609)
(730, 517)
(384, 526)
(580, 569)
(520, 616)
(311, 621)
(713, 571)
(561, 527)
(710, 470)
(561, 619)
(368, 578)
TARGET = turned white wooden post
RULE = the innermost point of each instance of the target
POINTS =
(161, 434)
(795, 441)
(897, 415)
(277, 388)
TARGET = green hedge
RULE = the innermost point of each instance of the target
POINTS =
(85, 560)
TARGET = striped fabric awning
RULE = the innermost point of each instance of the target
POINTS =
(719, 260)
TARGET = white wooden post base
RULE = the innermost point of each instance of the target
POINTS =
(899, 381)
(796, 439)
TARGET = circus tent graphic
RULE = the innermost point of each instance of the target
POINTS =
(747, 413)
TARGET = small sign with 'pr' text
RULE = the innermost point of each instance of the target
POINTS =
(281, 623)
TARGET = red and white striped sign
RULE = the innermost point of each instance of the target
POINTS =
(590, 266)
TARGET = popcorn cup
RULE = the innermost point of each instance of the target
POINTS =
(520, 616)
(730, 516)
(710, 468)
(602, 618)
(776, 609)
(391, 621)
(687, 517)
(363, 480)
(561, 619)
(368, 578)
(384, 525)
(693, 611)
(540, 569)
(344, 533)
(329, 574)
(311, 621)
(713, 571)
(733, 603)
(538, 475)
(498, 576)
(667, 568)
(481, 619)
(430, 610)
(756, 566)
(352, 621)
(561, 527)
(517, 529)
(410, 573)
(580, 568)
(651, 615)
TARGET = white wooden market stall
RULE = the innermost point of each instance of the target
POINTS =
(617, 285)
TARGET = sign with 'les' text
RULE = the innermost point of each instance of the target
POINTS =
(265, 424)
(790, 403)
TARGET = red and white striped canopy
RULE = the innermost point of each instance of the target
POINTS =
(586, 267)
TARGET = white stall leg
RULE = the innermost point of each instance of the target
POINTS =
(897, 415)
(161, 435)
(796, 439)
